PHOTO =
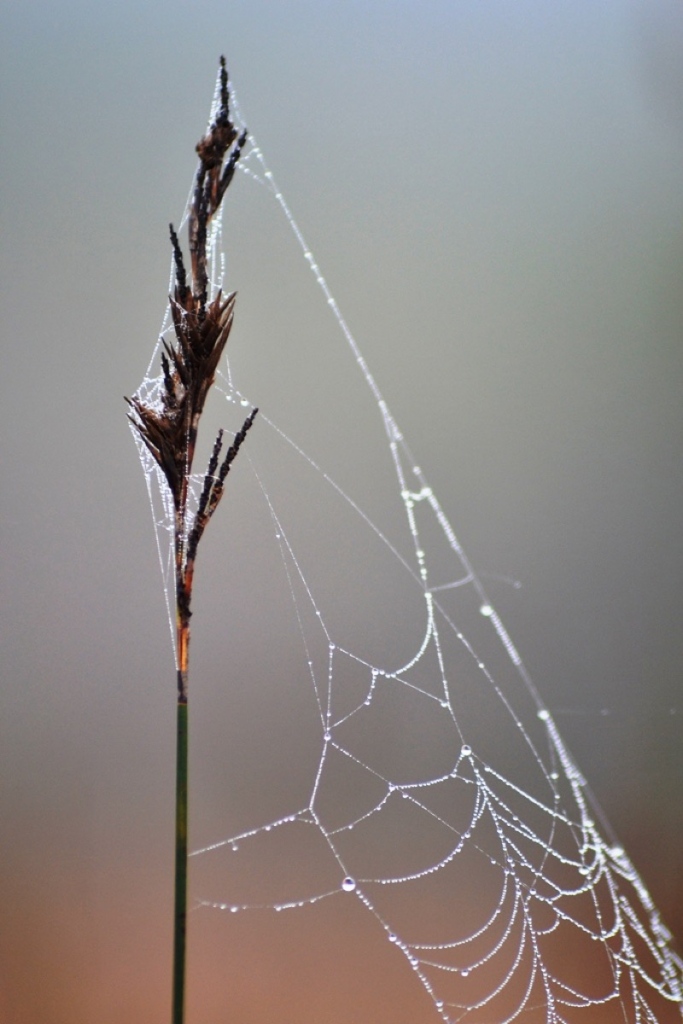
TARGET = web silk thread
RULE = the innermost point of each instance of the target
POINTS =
(550, 868)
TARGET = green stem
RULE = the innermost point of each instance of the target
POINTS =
(180, 911)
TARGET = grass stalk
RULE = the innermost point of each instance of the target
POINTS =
(180, 894)
(169, 428)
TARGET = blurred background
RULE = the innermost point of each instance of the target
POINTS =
(494, 194)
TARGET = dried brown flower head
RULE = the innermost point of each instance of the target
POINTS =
(169, 425)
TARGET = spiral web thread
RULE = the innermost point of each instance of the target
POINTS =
(516, 824)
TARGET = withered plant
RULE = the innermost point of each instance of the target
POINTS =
(169, 425)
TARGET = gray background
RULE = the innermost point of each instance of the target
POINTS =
(494, 194)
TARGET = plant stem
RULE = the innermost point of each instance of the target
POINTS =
(181, 780)
(180, 908)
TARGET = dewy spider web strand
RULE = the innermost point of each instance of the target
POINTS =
(528, 844)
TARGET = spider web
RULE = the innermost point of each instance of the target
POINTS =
(418, 772)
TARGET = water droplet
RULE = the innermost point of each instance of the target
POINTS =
(554, 775)
(234, 847)
(465, 973)
(328, 735)
(543, 715)
(244, 402)
(443, 703)
(486, 610)
(349, 884)
(465, 750)
(233, 910)
(617, 851)
(391, 937)
(268, 828)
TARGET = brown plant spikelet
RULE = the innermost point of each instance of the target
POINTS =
(169, 426)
